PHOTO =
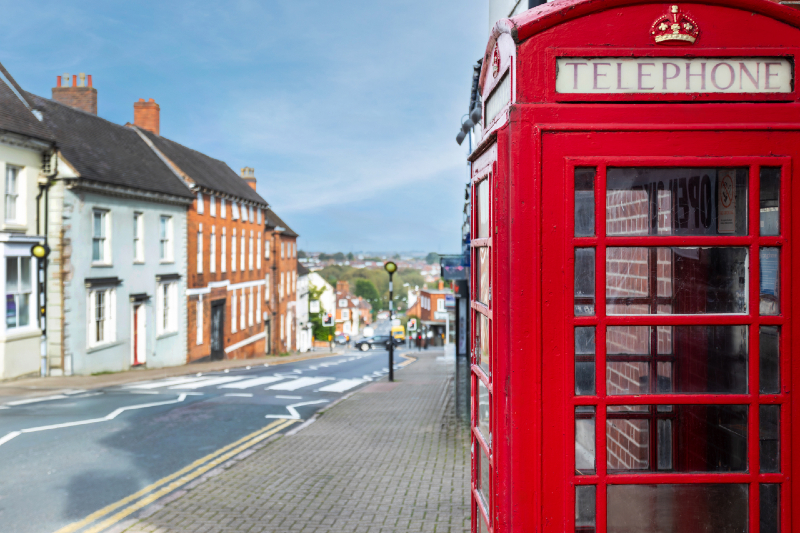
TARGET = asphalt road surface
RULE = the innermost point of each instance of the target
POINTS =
(64, 457)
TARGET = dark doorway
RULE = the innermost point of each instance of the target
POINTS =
(218, 330)
(268, 332)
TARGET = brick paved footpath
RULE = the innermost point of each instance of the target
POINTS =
(392, 457)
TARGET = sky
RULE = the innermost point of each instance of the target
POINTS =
(347, 110)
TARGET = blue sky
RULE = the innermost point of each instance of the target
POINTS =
(347, 110)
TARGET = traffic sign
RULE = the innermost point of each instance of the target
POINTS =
(327, 320)
(412, 324)
(440, 315)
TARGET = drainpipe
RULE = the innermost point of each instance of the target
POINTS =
(41, 271)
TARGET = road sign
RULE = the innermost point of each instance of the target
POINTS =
(313, 306)
(450, 300)
(327, 320)
(440, 315)
(412, 324)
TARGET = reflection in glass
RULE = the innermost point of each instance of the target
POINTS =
(769, 200)
(770, 282)
(584, 440)
(585, 508)
(482, 354)
(719, 508)
(584, 281)
(676, 359)
(769, 438)
(484, 286)
(584, 202)
(641, 281)
(485, 487)
(676, 201)
(483, 209)
(689, 438)
(483, 412)
(769, 515)
(584, 361)
(769, 360)
(12, 274)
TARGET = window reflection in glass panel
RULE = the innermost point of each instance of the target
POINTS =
(12, 274)
(585, 508)
(676, 201)
(483, 412)
(770, 281)
(689, 438)
(484, 486)
(769, 513)
(584, 440)
(642, 281)
(719, 508)
(769, 362)
(584, 202)
(482, 343)
(484, 287)
(25, 274)
(482, 214)
(584, 361)
(769, 438)
(584, 281)
(676, 359)
(769, 198)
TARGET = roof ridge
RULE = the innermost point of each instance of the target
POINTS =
(75, 109)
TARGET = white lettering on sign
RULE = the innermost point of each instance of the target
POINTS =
(617, 75)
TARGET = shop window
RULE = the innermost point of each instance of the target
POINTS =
(18, 292)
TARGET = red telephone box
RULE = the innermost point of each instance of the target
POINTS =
(632, 287)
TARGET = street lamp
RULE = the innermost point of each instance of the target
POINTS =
(391, 268)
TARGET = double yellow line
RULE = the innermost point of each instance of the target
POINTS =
(164, 486)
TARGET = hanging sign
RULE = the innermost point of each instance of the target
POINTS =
(621, 75)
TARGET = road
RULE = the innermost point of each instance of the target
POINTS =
(67, 456)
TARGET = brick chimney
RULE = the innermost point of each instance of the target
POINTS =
(441, 285)
(249, 175)
(343, 287)
(81, 95)
(147, 115)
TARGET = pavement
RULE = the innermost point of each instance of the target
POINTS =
(389, 457)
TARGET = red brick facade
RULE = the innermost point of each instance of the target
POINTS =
(283, 291)
(83, 98)
(147, 115)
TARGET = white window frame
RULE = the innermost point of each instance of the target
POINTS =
(233, 312)
(250, 252)
(12, 197)
(167, 307)
(199, 319)
(199, 248)
(200, 203)
(108, 324)
(258, 304)
(212, 255)
(266, 287)
(104, 238)
(440, 304)
(244, 213)
(242, 311)
(250, 307)
(138, 237)
(266, 249)
(258, 216)
(280, 287)
(342, 302)
(222, 208)
(345, 314)
(250, 217)
(234, 211)
(283, 326)
(212, 205)
(258, 253)
(283, 248)
(241, 252)
(19, 293)
(223, 251)
(166, 251)
(233, 251)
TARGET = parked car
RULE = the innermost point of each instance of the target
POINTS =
(377, 342)
(341, 339)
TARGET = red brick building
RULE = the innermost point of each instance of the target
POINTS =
(227, 247)
(280, 322)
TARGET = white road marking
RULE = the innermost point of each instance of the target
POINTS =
(366, 378)
(246, 384)
(36, 400)
(111, 416)
(297, 383)
(312, 367)
(341, 386)
(240, 394)
(206, 382)
(293, 414)
(144, 392)
(289, 397)
(76, 391)
(163, 383)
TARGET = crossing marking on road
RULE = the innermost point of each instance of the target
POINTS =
(163, 383)
(246, 384)
(343, 385)
(297, 383)
(192, 471)
(36, 400)
(206, 382)
(293, 414)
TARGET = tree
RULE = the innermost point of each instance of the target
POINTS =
(366, 289)
(350, 256)
(338, 256)
(301, 254)
(320, 332)
(432, 258)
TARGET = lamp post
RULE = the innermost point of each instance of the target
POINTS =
(391, 268)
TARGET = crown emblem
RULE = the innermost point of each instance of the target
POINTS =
(495, 61)
(675, 28)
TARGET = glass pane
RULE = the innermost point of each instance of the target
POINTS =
(584, 202)
(769, 515)
(641, 281)
(97, 250)
(676, 359)
(584, 281)
(769, 199)
(483, 412)
(584, 440)
(676, 201)
(677, 508)
(24, 309)
(12, 274)
(769, 360)
(584, 361)
(485, 487)
(483, 209)
(484, 286)
(769, 438)
(482, 343)
(585, 508)
(25, 274)
(11, 311)
(98, 229)
(770, 281)
(689, 438)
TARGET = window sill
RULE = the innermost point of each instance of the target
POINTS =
(11, 225)
(166, 334)
(167, 262)
(101, 347)
(102, 265)
(25, 332)
(138, 262)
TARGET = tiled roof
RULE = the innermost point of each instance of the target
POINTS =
(205, 171)
(302, 270)
(105, 152)
(16, 115)
(272, 220)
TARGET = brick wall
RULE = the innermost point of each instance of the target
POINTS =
(83, 98)
(283, 263)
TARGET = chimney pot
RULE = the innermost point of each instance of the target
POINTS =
(90, 80)
(80, 96)
(74, 81)
(147, 115)
(58, 81)
(249, 176)
(82, 76)
(151, 100)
